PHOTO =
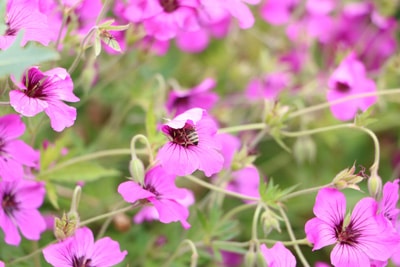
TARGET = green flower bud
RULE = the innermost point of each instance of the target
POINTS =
(66, 226)
(270, 221)
(375, 186)
(250, 258)
(347, 179)
(136, 170)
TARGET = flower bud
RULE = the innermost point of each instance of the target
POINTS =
(122, 222)
(260, 260)
(66, 226)
(347, 179)
(270, 221)
(304, 149)
(250, 258)
(375, 186)
(136, 169)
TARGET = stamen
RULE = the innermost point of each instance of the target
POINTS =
(9, 204)
(169, 6)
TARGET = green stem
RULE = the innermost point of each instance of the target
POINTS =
(76, 197)
(99, 154)
(109, 214)
(318, 130)
(195, 255)
(148, 146)
(103, 11)
(5, 103)
(219, 189)
(81, 50)
(342, 100)
(375, 165)
(293, 238)
(304, 191)
(63, 22)
(246, 127)
(254, 229)
(303, 241)
(30, 255)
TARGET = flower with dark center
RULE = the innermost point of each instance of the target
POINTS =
(359, 239)
(342, 87)
(169, 6)
(191, 144)
(20, 201)
(80, 250)
(158, 189)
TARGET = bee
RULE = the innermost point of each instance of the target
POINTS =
(192, 138)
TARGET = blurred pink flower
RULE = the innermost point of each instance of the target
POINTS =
(159, 189)
(150, 213)
(388, 203)
(192, 144)
(14, 153)
(25, 15)
(245, 181)
(230, 144)
(81, 250)
(278, 255)
(278, 12)
(348, 79)
(199, 96)
(267, 87)
(45, 91)
(20, 200)
(357, 240)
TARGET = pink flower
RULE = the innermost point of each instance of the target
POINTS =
(278, 12)
(20, 200)
(388, 203)
(159, 189)
(349, 79)
(46, 91)
(14, 153)
(199, 96)
(278, 256)
(267, 87)
(81, 250)
(245, 181)
(230, 144)
(192, 144)
(359, 239)
(163, 19)
(25, 15)
(150, 213)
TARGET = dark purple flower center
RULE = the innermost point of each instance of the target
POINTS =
(151, 189)
(186, 136)
(9, 203)
(347, 235)
(10, 31)
(169, 6)
(342, 87)
(35, 84)
(81, 262)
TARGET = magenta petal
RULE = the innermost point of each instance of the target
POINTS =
(25, 105)
(11, 127)
(132, 192)
(106, 252)
(31, 194)
(11, 234)
(330, 206)
(175, 159)
(59, 254)
(242, 13)
(22, 153)
(170, 211)
(348, 256)
(31, 223)
(210, 160)
(320, 233)
(61, 115)
(10, 170)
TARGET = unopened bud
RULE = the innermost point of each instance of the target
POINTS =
(122, 222)
(260, 260)
(66, 226)
(250, 258)
(136, 169)
(270, 221)
(304, 149)
(347, 179)
(375, 186)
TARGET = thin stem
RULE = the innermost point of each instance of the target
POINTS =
(81, 50)
(342, 100)
(30, 255)
(5, 103)
(303, 241)
(219, 189)
(148, 146)
(246, 127)
(76, 197)
(107, 222)
(103, 11)
(104, 153)
(195, 255)
(375, 166)
(63, 22)
(258, 138)
(318, 130)
(293, 238)
(109, 214)
(254, 235)
(304, 191)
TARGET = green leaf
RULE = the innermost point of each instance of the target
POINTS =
(232, 248)
(52, 195)
(110, 41)
(364, 119)
(83, 171)
(97, 44)
(16, 59)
